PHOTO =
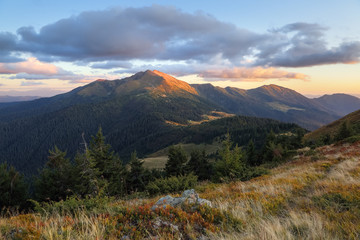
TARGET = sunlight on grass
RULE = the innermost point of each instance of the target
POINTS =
(305, 198)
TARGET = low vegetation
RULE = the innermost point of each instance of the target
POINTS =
(316, 195)
(279, 191)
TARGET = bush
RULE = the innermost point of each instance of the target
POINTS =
(171, 184)
(72, 205)
(351, 139)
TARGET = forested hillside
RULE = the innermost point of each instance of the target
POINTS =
(145, 112)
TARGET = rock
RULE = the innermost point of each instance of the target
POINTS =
(202, 201)
(188, 197)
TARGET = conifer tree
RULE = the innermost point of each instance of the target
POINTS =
(177, 158)
(267, 152)
(251, 154)
(13, 189)
(91, 180)
(199, 165)
(56, 180)
(137, 174)
(344, 131)
(230, 165)
(117, 177)
(101, 152)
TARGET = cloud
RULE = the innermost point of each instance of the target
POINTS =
(31, 66)
(111, 38)
(72, 78)
(306, 47)
(155, 32)
(112, 64)
(31, 83)
(251, 74)
(33, 69)
(43, 92)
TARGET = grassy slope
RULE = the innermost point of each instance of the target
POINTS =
(353, 119)
(314, 196)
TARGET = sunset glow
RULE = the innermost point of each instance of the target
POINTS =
(313, 51)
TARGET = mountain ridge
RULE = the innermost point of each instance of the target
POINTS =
(145, 112)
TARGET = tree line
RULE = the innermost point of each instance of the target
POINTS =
(97, 170)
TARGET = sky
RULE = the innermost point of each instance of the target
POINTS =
(50, 47)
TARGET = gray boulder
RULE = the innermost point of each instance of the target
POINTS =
(188, 197)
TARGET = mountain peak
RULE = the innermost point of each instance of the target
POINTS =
(275, 88)
(157, 81)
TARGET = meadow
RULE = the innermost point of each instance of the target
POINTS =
(315, 195)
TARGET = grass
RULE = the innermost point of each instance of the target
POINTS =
(306, 198)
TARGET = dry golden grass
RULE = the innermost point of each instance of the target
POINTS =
(314, 196)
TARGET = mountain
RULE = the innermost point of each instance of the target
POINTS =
(352, 120)
(270, 101)
(341, 104)
(6, 99)
(145, 112)
(131, 111)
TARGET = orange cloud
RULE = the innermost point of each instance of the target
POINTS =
(31, 66)
(252, 74)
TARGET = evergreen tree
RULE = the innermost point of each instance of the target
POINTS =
(13, 189)
(117, 177)
(230, 165)
(326, 139)
(267, 152)
(101, 152)
(57, 179)
(251, 158)
(137, 174)
(91, 180)
(344, 131)
(199, 165)
(177, 158)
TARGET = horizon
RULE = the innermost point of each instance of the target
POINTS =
(51, 95)
(314, 52)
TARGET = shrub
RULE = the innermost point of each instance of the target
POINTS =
(72, 205)
(351, 139)
(171, 184)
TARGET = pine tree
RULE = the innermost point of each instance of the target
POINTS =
(230, 165)
(13, 189)
(199, 165)
(177, 158)
(117, 177)
(101, 152)
(91, 180)
(56, 180)
(267, 152)
(136, 176)
(344, 131)
(251, 154)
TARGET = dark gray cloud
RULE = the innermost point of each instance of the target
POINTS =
(111, 38)
(154, 32)
(8, 47)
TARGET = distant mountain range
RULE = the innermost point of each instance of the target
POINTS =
(149, 111)
(5, 99)
(341, 104)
